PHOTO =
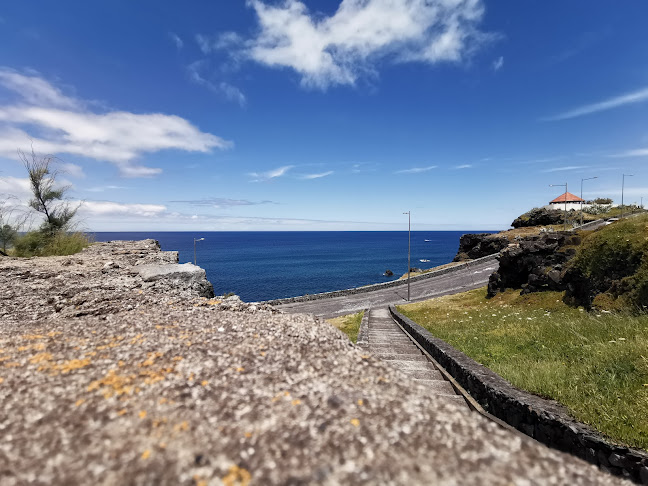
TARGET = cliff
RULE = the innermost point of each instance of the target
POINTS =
(113, 373)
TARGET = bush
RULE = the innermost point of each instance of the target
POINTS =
(40, 243)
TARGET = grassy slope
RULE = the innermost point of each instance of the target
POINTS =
(594, 364)
(349, 325)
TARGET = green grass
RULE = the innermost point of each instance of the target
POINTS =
(349, 325)
(595, 364)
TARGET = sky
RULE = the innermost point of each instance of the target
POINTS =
(324, 115)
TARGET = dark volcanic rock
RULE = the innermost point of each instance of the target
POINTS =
(539, 217)
(534, 264)
(477, 245)
(388, 273)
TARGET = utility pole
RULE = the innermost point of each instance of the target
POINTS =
(409, 250)
(622, 187)
(199, 239)
(581, 196)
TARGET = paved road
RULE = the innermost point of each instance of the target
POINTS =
(474, 276)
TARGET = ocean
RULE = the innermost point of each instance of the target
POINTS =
(269, 265)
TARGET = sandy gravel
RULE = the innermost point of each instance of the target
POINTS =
(119, 383)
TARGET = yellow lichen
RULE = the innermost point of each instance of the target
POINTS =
(142, 414)
(355, 422)
(237, 476)
(146, 454)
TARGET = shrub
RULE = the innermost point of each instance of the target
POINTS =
(40, 243)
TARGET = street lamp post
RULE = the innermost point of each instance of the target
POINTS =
(561, 185)
(622, 188)
(581, 196)
(409, 250)
(198, 239)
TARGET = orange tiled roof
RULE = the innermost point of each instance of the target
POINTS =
(567, 197)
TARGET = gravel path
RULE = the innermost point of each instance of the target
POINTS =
(107, 379)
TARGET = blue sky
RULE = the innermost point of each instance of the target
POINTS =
(324, 115)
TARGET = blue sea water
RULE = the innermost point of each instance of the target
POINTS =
(269, 265)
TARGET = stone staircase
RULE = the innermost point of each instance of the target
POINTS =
(387, 341)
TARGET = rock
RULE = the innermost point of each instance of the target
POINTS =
(183, 277)
(477, 245)
(388, 273)
(534, 264)
(109, 266)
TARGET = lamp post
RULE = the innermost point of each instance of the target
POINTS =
(622, 187)
(199, 239)
(409, 250)
(581, 196)
(560, 185)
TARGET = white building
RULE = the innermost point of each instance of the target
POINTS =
(573, 202)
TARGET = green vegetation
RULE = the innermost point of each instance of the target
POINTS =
(594, 364)
(612, 263)
(54, 236)
(349, 325)
(37, 243)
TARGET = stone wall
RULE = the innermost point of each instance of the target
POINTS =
(544, 420)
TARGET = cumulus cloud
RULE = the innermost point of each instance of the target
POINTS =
(73, 170)
(632, 98)
(225, 40)
(340, 48)
(59, 124)
(271, 174)
(416, 170)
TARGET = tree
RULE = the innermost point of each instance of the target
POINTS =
(48, 199)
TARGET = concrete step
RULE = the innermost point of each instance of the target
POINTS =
(456, 399)
(425, 374)
(438, 386)
(407, 366)
(395, 349)
(400, 357)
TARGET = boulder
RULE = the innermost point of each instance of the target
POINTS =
(388, 273)
(182, 278)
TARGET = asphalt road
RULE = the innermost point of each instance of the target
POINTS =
(473, 276)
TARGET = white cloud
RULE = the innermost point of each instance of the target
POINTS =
(35, 90)
(464, 166)
(568, 167)
(57, 124)
(104, 188)
(225, 40)
(110, 208)
(271, 174)
(632, 153)
(176, 40)
(614, 102)
(317, 176)
(73, 170)
(416, 170)
(222, 88)
(338, 49)
(16, 187)
(498, 63)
